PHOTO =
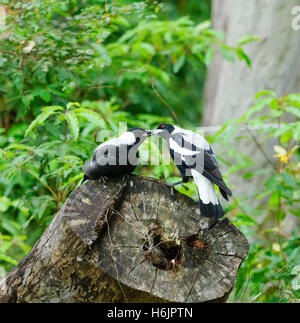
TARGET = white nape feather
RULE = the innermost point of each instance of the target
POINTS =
(110, 142)
(206, 189)
(127, 138)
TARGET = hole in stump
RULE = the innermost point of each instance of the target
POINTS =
(194, 242)
(162, 252)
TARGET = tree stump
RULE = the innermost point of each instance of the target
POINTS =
(129, 239)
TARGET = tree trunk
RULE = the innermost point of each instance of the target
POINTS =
(231, 87)
(130, 239)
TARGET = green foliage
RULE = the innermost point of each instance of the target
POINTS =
(268, 274)
(60, 51)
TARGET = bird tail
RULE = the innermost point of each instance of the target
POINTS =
(209, 204)
(211, 210)
(224, 189)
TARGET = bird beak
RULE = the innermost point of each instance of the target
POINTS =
(148, 133)
(156, 132)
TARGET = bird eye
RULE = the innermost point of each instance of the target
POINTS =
(162, 126)
(138, 139)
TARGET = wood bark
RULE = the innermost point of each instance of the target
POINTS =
(129, 239)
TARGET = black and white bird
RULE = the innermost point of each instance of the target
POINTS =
(194, 157)
(117, 156)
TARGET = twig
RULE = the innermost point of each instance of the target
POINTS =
(100, 86)
(165, 103)
(40, 180)
(261, 148)
(245, 290)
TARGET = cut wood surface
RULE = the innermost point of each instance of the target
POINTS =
(129, 239)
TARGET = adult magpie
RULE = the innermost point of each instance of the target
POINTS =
(194, 157)
(116, 156)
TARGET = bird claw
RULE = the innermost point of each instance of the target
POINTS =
(103, 179)
(213, 222)
(172, 191)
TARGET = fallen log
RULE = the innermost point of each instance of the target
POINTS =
(129, 239)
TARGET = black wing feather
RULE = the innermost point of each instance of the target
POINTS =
(207, 158)
(213, 173)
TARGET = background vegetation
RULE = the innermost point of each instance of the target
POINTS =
(71, 68)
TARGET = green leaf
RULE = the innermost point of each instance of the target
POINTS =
(296, 132)
(296, 281)
(73, 104)
(203, 26)
(227, 53)
(26, 99)
(257, 107)
(248, 175)
(73, 179)
(274, 105)
(148, 48)
(296, 270)
(283, 129)
(274, 199)
(178, 64)
(91, 116)
(219, 34)
(243, 56)
(209, 55)
(8, 259)
(293, 97)
(247, 39)
(244, 219)
(287, 136)
(293, 110)
(263, 93)
(45, 95)
(47, 112)
(289, 180)
(73, 124)
(5, 203)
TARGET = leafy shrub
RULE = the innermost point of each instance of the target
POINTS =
(268, 274)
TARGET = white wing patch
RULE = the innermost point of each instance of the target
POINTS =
(192, 137)
(180, 150)
(206, 189)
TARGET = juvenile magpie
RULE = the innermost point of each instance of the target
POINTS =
(194, 157)
(116, 156)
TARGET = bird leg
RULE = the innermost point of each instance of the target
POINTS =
(184, 180)
(85, 178)
(172, 191)
(213, 222)
(103, 179)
